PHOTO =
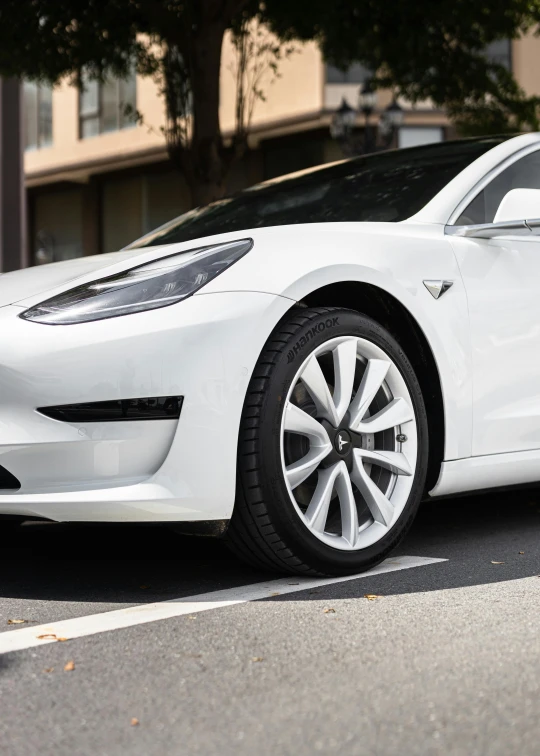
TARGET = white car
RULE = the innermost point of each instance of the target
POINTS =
(294, 368)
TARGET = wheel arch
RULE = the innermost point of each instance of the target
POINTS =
(378, 304)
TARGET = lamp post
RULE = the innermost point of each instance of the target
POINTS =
(391, 120)
(374, 138)
(343, 121)
(367, 102)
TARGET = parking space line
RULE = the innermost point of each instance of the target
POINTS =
(78, 627)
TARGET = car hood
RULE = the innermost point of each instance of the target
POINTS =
(28, 287)
(30, 282)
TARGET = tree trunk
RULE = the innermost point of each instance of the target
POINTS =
(207, 177)
(199, 155)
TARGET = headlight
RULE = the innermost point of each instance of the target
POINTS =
(157, 284)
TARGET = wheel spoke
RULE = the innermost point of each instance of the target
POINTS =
(297, 421)
(372, 381)
(317, 512)
(397, 412)
(396, 462)
(313, 378)
(344, 369)
(347, 503)
(302, 469)
(380, 507)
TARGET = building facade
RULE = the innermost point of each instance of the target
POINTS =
(97, 178)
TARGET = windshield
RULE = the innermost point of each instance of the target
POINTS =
(388, 186)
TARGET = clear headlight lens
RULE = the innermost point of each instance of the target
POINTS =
(157, 284)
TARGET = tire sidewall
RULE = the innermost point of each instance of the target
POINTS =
(286, 520)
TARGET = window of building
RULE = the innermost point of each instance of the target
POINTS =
(355, 74)
(57, 222)
(500, 52)
(414, 136)
(37, 110)
(109, 105)
(134, 205)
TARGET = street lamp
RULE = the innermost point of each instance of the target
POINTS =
(374, 138)
(343, 121)
(392, 118)
(367, 98)
(367, 102)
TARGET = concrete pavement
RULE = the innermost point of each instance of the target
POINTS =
(445, 661)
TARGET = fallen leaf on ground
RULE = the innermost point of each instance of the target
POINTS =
(329, 610)
(48, 669)
(16, 622)
(47, 636)
(61, 640)
(69, 667)
(257, 658)
(192, 616)
(492, 562)
(134, 721)
(521, 552)
(371, 596)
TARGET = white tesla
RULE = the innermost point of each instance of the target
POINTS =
(295, 367)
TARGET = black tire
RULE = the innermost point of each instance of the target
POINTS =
(265, 529)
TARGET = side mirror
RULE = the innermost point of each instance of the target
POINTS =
(518, 205)
(517, 215)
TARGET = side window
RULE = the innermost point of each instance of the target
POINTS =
(523, 174)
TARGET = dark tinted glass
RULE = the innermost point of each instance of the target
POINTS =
(523, 174)
(389, 186)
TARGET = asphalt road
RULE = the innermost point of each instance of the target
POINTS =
(445, 661)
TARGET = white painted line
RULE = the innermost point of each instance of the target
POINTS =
(18, 640)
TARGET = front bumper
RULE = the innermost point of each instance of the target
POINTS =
(203, 349)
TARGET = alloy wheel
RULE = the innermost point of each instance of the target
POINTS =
(349, 443)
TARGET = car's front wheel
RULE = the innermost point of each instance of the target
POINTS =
(333, 447)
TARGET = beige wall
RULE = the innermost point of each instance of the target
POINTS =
(526, 62)
(297, 91)
(67, 150)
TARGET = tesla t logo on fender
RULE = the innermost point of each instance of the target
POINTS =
(437, 288)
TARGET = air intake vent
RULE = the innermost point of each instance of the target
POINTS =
(8, 482)
(147, 408)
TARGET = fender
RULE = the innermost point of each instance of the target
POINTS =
(395, 258)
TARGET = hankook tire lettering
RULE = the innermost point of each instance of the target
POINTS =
(319, 328)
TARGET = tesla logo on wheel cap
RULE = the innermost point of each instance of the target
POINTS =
(341, 442)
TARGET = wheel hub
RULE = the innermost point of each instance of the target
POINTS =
(343, 442)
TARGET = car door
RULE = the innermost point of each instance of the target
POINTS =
(502, 281)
